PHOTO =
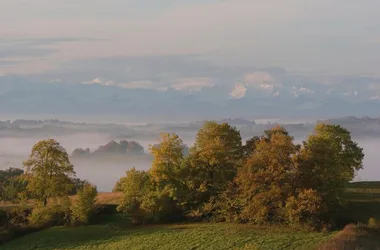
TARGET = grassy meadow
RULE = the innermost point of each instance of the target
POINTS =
(115, 235)
(113, 231)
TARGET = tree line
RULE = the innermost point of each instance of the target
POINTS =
(269, 179)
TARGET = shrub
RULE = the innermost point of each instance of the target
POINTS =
(60, 208)
(19, 212)
(135, 186)
(84, 205)
(41, 216)
(56, 213)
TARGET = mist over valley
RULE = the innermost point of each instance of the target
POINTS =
(17, 138)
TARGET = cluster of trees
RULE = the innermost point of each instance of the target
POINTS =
(48, 181)
(12, 182)
(113, 147)
(269, 179)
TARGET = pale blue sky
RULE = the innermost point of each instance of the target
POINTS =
(336, 37)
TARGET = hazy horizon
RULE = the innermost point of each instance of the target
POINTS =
(104, 174)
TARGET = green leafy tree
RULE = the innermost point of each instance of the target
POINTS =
(327, 162)
(12, 182)
(10, 173)
(85, 204)
(348, 155)
(136, 186)
(13, 187)
(119, 186)
(49, 171)
(266, 179)
(250, 145)
(212, 164)
(167, 162)
(78, 184)
(168, 184)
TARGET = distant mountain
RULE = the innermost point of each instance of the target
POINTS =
(211, 102)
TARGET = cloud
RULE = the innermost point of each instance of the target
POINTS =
(138, 85)
(260, 78)
(250, 30)
(238, 92)
(35, 55)
(192, 84)
(374, 86)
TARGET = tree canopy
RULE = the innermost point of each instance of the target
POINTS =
(49, 171)
(270, 179)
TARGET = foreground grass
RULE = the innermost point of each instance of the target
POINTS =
(114, 235)
(113, 232)
(354, 237)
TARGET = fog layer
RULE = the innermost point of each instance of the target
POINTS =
(106, 171)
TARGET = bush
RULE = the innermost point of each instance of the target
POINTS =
(41, 216)
(56, 213)
(19, 212)
(136, 186)
(60, 208)
(84, 205)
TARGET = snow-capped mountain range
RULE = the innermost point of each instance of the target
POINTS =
(261, 93)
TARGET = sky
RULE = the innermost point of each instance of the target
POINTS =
(40, 37)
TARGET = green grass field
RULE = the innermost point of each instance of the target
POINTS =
(114, 232)
(183, 236)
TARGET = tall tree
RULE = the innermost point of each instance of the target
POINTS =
(213, 161)
(168, 156)
(168, 184)
(327, 162)
(266, 179)
(49, 171)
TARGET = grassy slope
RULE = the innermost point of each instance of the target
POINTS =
(354, 237)
(114, 232)
(185, 236)
(363, 201)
